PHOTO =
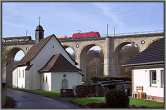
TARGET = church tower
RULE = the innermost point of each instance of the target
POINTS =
(39, 33)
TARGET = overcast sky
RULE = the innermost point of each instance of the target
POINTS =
(66, 18)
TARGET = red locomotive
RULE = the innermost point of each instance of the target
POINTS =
(87, 34)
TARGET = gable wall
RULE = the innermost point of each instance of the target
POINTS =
(43, 57)
(142, 78)
(46, 85)
(21, 77)
(73, 78)
(27, 77)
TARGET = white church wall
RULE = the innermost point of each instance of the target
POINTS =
(31, 72)
(51, 48)
(142, 78)
(57, 77)
(21, 77)
(79, 79)
(46, 81)
(59, 49)
(27, 80)
(15, 78)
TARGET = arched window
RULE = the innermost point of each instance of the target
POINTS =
(46, 79)
(19, 73)
(43, 78)
(22, 73)
(64, 84)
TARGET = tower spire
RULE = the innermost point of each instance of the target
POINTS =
(39, 33)
(39, 20)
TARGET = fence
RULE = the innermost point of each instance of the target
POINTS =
(135, 33)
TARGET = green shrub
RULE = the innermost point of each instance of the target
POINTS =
(116, 99)
(87, 90)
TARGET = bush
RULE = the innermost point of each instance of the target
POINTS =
(116, 99)
(88, 90)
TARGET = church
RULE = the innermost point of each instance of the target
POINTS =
(46, 66)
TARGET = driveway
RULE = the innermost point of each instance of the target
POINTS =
(30, 100)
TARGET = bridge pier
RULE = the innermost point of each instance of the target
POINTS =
(9, 70)
(110, 59)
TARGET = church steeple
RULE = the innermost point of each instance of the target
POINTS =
(39, 33)
(39, 20)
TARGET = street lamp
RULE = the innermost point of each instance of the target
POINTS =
(97, 68)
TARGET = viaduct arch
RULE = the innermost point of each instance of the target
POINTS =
(13, 48)
(110, 46)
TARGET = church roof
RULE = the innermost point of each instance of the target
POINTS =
(154, 54)
(35, 49)
(39, 28)
(58, 63)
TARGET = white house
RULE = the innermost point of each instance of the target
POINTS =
(148, 71)
(46, 66)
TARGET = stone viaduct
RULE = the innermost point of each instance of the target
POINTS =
(110, 46)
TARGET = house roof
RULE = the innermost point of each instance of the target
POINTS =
(58, 63)
(39, 28)
(28, 67)
(35, 49)
(154, 54)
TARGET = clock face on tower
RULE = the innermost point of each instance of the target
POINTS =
(77, 45)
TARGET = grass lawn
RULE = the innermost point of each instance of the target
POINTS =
(86, 100)
(147, 103)
(133, 101)
(44, 93)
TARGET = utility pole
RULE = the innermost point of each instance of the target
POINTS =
(26, 32)
(107, 29)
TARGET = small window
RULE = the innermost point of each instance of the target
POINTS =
(19, 73)
(153, 78)
(22, 73)
(46, 78)
(40, 35)
(64, 84)
(43, 78)
(162, 78)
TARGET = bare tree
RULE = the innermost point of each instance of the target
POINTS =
(125, 55)
(94, 62)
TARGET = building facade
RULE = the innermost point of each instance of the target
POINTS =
(148, 71)
(44, 65)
